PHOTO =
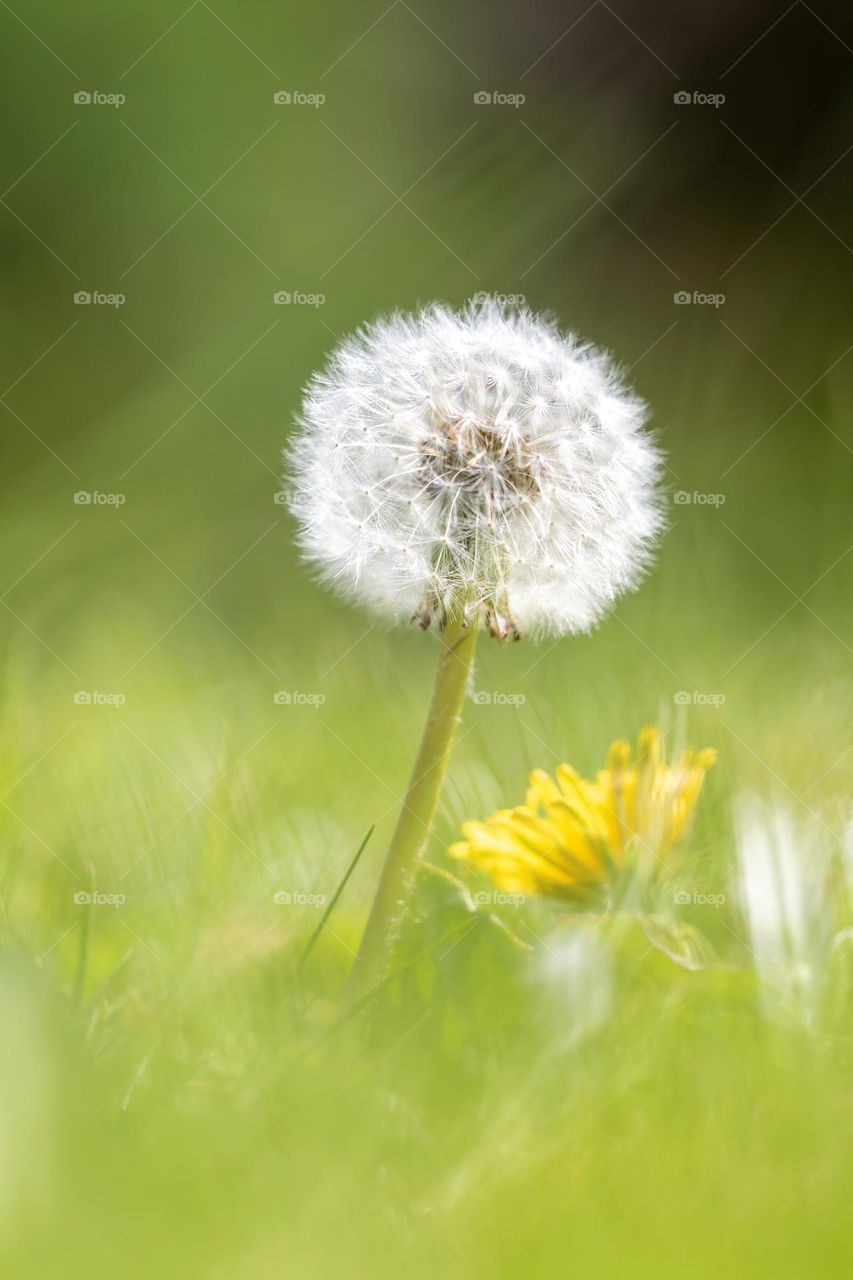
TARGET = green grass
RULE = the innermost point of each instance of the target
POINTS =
(177, 1096)
(176, 1085)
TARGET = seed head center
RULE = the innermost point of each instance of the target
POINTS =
(472, 461)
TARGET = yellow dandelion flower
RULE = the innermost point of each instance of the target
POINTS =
(573, 838)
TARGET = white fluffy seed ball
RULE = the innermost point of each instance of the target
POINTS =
(481, 457)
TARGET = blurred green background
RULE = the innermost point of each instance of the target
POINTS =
(157, 1061)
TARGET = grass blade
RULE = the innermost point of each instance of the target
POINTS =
(309, 946)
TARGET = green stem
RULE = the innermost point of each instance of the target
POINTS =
(419, 805)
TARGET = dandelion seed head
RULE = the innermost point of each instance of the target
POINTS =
(478, 455)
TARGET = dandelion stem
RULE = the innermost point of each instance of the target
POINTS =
(419, 805)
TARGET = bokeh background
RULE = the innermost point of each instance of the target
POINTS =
(146, 629)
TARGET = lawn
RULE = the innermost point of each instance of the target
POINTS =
(196, 737)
